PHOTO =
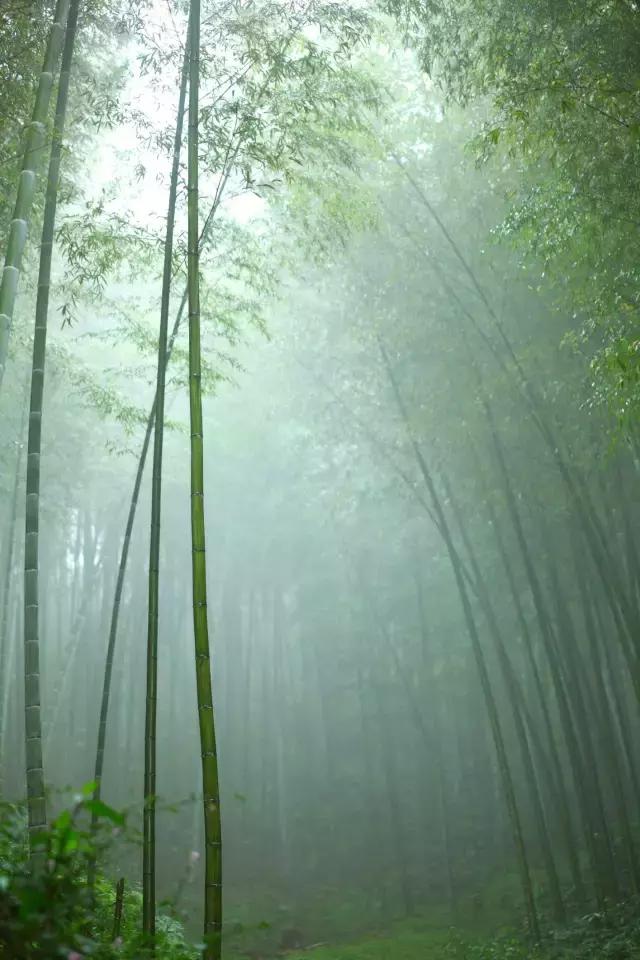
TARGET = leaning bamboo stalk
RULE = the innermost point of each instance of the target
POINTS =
(604, 714)
(555, 777)
(36, 804)
(34, 146)
(580, 772)
(517, 702)
(623, 611)
(460, 576)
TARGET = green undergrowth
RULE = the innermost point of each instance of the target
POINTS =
(595, 936)
(47, 912)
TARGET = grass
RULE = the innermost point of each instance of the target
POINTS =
(406, 942)
(594, 936)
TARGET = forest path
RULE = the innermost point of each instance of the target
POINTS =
(409, 944)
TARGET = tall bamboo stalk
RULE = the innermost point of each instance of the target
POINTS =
(606, 726)
(436, 740)
(131, 515)
(624, 612)
(209, 756)
(517, 702)
(36, 804)
(149, 816)
(556, 779)
(229, 161)
(6, 589)
(577, 689)
(34, 146)
(478, 653)
(580, 772)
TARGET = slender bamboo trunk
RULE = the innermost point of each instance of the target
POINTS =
(618, 701)
(61, 696)
(124, 555)
(437, 745)
(607, 728)
(625, 614)
(516, 699)
(556, 775)
(386, 749)
(575, 683)
(209, 755)
(34, 147)
(149, 815)
(375, 858)
(485, 681)
(6, 590)
(387, 753)
(126, 545)
(36, 804)
(12, 714)
(429, 738)
(570, 663)
(604, 884)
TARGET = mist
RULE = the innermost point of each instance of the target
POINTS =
(389, 507)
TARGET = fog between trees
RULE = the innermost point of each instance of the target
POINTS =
(419, 456)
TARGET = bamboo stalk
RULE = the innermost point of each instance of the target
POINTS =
(209, 756)
(36, 803)
(27, 182)
(149, 816)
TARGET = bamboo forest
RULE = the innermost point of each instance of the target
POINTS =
(320, 480)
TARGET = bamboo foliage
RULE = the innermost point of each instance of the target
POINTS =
(208, 748)
(34, 147)
(36, 804)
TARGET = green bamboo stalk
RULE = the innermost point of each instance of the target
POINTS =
(6, 588)
(131, 515)
(135, 495)
(516, 701)
(149, 816)
(605, 722)
(576, 761)
(623, 611)
(581, 700)
(617, 699)
(211, 799)
(478, 653)
(36, 804)
(34, 146)
(555, 776)
(436, 739)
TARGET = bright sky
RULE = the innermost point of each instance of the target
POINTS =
(121, 150)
